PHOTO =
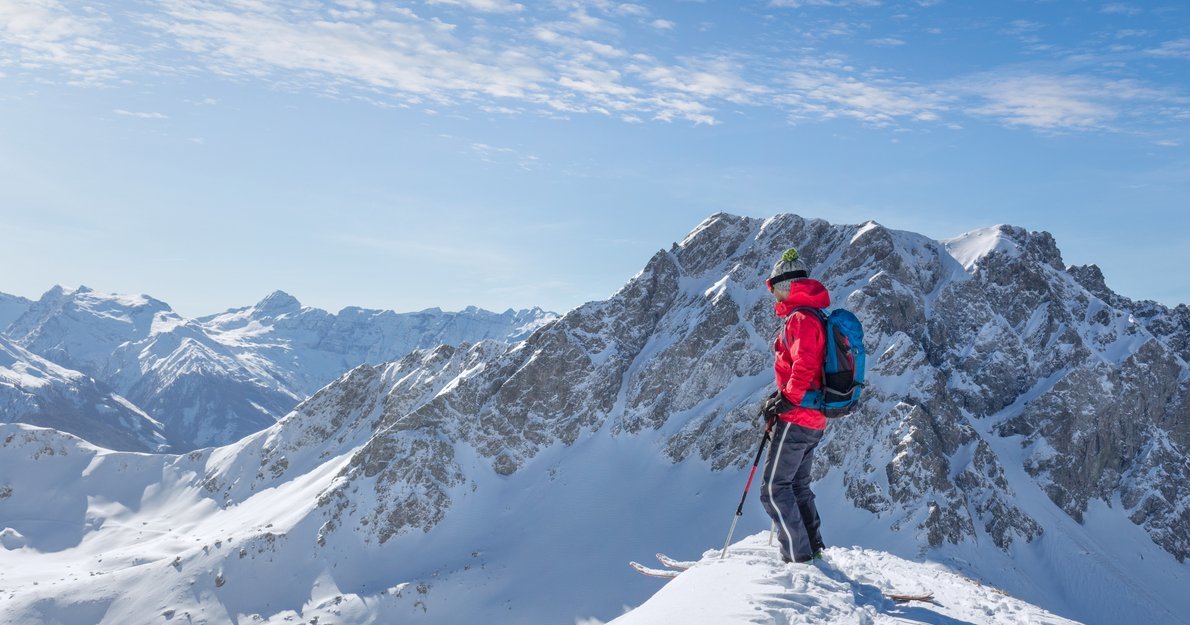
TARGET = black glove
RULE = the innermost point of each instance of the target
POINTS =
(775, 405)
(764, 416)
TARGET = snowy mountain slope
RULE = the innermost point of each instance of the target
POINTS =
(12, 307)
(471, 473)
(36, 391)
(750, 584)
(220, 378)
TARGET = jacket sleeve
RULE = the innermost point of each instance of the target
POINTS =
(804, 349)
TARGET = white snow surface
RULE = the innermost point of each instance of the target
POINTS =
(970, 247)
(750, 584)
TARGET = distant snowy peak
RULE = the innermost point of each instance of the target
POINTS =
(38, 392)
(79, 328)
(310, 346)
(277, 303)
(11, 308)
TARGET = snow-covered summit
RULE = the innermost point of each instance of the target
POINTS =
(970, 247)
(277, 303)
(850, 585)
(79, 328)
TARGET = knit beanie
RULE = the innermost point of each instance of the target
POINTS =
(787, 270)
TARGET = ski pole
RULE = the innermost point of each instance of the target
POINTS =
(740, 510)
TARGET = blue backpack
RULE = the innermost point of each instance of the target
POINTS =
(843, 369)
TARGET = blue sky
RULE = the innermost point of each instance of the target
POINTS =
(487, 152)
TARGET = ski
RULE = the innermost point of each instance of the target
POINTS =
(673, 564)
(903, 598)
(644, 570)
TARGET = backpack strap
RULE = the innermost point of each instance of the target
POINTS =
(817, 312)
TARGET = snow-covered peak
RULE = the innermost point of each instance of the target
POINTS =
(80, 328)
(851, 585)
(865, 228)
(277, 303)
(969, 248)
(712, 227)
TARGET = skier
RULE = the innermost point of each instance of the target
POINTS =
(796, 430)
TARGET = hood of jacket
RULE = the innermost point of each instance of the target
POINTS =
(807, 292)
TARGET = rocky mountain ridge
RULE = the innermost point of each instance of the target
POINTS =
(1015, 423)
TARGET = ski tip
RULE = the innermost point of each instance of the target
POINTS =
(674, 564)
(644, 570)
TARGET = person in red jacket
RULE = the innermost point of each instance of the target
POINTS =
(795, 429)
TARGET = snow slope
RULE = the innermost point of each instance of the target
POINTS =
(36, 391)
(751, 584)
(12, 307)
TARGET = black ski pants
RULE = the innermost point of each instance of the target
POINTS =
(786, 493)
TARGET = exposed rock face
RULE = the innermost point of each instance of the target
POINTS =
(979, 344)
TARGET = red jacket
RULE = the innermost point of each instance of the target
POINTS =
(799, 353)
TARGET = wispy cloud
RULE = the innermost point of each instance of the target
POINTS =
(1120, 8)
(794, 4)
(1176, 49)
(490, 6)
(141, 115)
(39, 33)
(497, 154)
(1057, 102)
(830, 91)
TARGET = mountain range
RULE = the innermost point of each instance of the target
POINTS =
(1024, 426)
(213, 380)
